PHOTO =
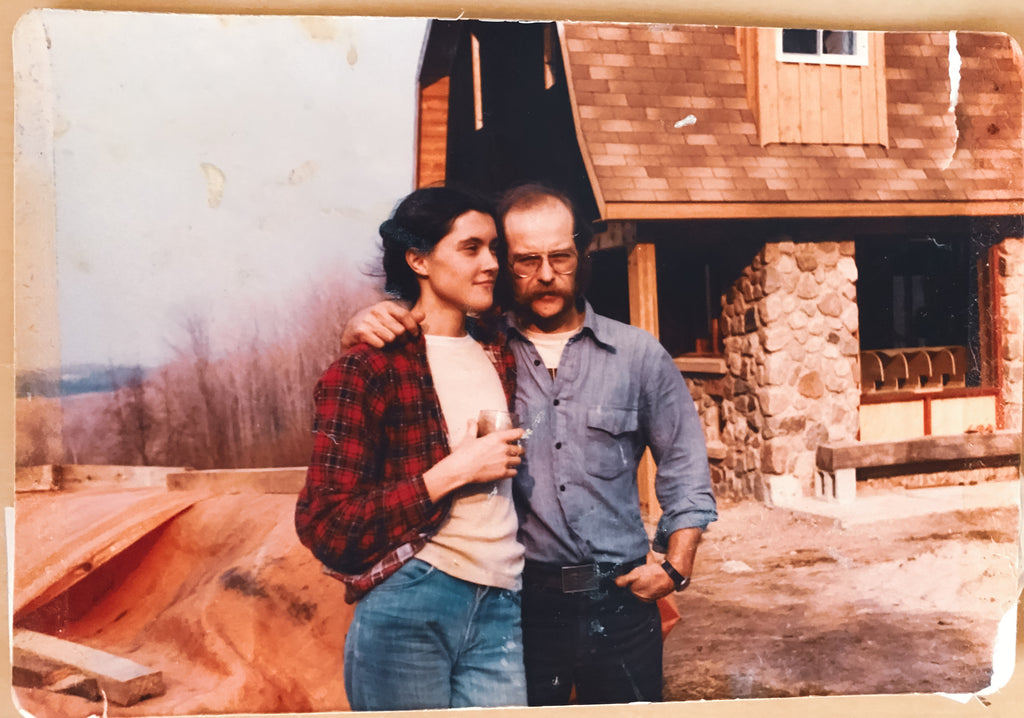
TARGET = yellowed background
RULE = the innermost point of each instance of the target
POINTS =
(991, 15)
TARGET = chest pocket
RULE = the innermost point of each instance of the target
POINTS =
(609, 441)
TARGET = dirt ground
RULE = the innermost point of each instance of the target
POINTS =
(781, 605)
(784, 605)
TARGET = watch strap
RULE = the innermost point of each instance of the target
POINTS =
(678, 579)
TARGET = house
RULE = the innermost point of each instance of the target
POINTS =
(823, 227)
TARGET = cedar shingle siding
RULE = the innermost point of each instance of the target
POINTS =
(632, 84)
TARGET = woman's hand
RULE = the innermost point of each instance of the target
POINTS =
(475, 460)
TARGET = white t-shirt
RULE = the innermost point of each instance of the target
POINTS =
(551, 346)
(477, 542)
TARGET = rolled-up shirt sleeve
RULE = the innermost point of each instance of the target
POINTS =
(675, 436)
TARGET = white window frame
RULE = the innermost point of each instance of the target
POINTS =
(860, 56)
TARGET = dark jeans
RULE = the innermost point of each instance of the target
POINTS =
(606, 643)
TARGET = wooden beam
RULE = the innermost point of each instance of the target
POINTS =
(783, 210)
(701, 365)
(30, 672)
(230, 481)
(478, 101)
(123, 681)
(643, 288)
(643, 313)
(929, 449)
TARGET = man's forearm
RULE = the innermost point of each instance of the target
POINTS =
(682, 549)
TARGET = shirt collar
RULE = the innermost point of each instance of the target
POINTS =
(594, 325)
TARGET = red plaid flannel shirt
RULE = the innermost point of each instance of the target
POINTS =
(364, 510)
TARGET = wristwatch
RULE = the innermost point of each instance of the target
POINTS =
(678, 579)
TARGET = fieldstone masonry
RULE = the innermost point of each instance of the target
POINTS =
(790, 331)
(1010, 298)
(790, 335)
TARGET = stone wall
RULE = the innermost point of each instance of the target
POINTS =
(1010, 298)
(790, 335)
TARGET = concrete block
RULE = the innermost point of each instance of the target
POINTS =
(784, 489)
(845, 486)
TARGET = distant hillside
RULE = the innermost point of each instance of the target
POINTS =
(73, 379)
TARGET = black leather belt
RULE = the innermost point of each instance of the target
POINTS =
(576, 578)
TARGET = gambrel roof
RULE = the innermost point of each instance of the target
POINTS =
(665, 124)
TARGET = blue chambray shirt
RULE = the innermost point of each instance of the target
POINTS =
(616, 392)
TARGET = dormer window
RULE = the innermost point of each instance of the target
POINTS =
(828, 47)
(815, 87)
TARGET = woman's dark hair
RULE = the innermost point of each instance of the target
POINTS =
(420, 221)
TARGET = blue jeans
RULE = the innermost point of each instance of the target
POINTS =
(423, 639)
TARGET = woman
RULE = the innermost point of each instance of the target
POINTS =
(402, 501)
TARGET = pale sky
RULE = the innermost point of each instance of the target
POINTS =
(218, 164)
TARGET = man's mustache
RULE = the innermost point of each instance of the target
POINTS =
(537, 293)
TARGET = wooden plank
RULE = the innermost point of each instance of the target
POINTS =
(876, 46)
(869, 102)
(123, 681)
(898, 420)
(999, 444)
(229, 481)
(478, 99)
(31, 672)
(45, 477)
(432, 149)
(767, 88)
(853, 105)
(957, 415)
(701, 365)
(831, 105)
(810, 104)
(789, 102)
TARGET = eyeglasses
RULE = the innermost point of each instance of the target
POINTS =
(527, 265)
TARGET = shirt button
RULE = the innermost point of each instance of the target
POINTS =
(562, 487)
(558, 445)
(557, 402)
(536, 362)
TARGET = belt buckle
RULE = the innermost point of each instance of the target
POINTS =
(578, 579)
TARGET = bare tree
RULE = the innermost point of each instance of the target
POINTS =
(246, 407)
(132, 417)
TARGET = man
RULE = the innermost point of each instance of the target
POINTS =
(592, 394)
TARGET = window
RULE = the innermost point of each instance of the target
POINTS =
(923, 292)
(826, 47)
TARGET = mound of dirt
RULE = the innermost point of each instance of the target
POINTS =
(223, 600)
